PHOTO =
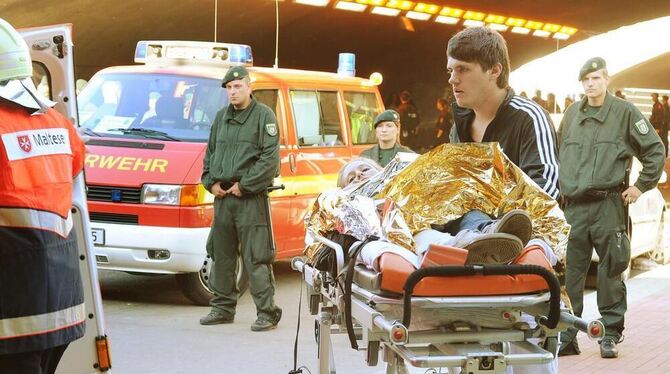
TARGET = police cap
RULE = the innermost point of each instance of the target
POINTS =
(591, 65)
(233, 74)
(388, 115)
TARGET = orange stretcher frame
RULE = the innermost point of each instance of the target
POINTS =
(395, 271)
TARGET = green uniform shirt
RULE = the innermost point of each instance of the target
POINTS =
(595, 149)
(243, 147)
(384, 156)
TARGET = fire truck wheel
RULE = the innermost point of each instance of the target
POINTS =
(195, 286)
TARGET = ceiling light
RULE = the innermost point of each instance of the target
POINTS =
(477, 16)
(519, 22)
(520, 30)
(400, 4)
(534, 25)
(385, 11)
(427, 8)
(418, 16)
(568, 30)
(551, 27)
(561, 36)
(354, 7)
(447, 20)
(541, 33)
(497, 27)
(372, 2)
(493, 18)
(313, 2)
(451, 12)
(472, 23)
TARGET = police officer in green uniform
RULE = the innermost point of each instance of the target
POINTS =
(241, 162)
(598, 138)
(387, 125)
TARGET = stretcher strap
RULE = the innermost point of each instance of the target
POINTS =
(348, 279)
(455, 271)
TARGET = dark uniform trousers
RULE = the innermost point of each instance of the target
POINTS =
(242, 221)
(598, 224)
(37, 362)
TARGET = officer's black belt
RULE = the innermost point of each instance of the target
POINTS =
(593, 195)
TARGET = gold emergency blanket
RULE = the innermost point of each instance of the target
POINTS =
(453, 179)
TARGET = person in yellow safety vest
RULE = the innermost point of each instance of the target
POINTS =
(362, 131)
(41, 294)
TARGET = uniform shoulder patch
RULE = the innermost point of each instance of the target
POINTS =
(271, 129)
(642, 127)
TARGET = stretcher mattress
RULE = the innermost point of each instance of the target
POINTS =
(395, 270)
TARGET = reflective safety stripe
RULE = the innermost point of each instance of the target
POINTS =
(42, 323)
(37, 219)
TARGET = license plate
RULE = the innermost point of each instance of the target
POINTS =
(98, 236)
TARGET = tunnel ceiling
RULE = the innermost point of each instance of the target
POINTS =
(105, 32)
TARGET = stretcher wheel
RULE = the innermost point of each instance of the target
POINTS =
(372, 354)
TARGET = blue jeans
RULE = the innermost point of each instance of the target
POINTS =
(472, 220)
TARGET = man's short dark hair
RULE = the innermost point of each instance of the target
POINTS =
(483, 46)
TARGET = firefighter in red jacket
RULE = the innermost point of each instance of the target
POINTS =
(41, 295)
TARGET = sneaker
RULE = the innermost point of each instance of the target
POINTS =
(216, 318)
(264, 323)
(488, 248)
(515, 222)
(608, 348)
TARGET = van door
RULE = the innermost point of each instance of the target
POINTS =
(53, 75)
(53, 65)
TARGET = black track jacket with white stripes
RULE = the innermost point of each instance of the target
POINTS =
(525, 133)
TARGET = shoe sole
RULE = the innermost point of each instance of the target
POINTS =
(493, 249)
(516, 222)
(215, 323)
(259, 329)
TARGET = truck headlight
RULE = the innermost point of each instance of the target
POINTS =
(164, 194)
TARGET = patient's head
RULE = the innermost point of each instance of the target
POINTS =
(357, 170)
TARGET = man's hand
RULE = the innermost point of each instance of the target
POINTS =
(631, 195)
(217, 191)
(235, 190)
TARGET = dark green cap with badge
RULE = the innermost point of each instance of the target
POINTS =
(388, 115)
(233, 74)
(591, 65)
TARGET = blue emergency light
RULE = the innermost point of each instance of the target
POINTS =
(241, 54)
(347, 64)
(141, 50)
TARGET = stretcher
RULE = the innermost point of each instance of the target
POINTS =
(458, 318)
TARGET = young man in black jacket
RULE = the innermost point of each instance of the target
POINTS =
(487, 110)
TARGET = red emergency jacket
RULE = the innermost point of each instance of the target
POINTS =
(41, 295)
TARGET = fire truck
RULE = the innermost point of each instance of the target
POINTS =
(149, 124)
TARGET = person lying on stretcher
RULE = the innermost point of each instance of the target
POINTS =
(489, 241)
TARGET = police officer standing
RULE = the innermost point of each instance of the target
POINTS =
(240, 163)
(386, 127)
(598, 137)
(41, 295)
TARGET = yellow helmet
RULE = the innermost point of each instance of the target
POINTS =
(15, 62)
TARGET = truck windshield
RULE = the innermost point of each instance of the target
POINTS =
(183, 108)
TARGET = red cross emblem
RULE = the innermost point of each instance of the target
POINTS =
(24, 143)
